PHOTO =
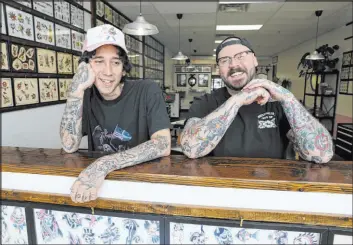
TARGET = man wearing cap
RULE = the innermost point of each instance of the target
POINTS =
(126, 120)
(251, 117)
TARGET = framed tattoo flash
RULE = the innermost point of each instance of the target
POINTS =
(3, 26)
(6, 92)
(99, 22)
(347, 58)
(75, 60)
(116, 18)
(44, 31)
(77, 40)
(77, 17)
(45, 7)
(181, 80)
(46, 61)
(26, 91)
(64, 63)
(62, 10)
(203, 80)
(48, 89)
(4, 57)
(26, 3)
(19, 23)
(64, 84)
(108, 14)
(99, 8)
(62, 36)
(23, 58)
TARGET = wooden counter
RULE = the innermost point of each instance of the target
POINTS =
(209, 174)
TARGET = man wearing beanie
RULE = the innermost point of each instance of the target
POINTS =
(251, 117)
(126, 120)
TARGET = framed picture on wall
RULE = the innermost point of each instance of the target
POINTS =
(203, 80)
(62, 10)
(19, 23)
(75, 60)
(48, 89)
(44, 31)
(108, 14)
(64, 84)
(62, 36)
(23, 58)
(27, 3)
(6, 92)
(64, 63)
(3, 26)
(99, 8)
(77, 17)
(4, 61)
(181, 80)
(347, 58)
(26, 91)
(46, 60)
(77, 39)
(45, 7)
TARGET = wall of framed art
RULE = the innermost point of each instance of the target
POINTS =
(346, 84)
(41, 42)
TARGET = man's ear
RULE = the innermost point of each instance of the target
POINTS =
(255, 61)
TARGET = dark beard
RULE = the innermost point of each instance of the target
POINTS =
(251, 76)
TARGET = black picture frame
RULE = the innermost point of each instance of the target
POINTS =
(181, 80)
(203, 80)
(7, 51)
(14, 58)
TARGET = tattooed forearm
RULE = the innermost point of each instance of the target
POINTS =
(310, 138)
(200, 136)
(152, 149)
(80, 77)
(71, 125)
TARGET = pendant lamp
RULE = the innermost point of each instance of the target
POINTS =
(180, 55)
(140, 27)
(190, 66)
(315, 55)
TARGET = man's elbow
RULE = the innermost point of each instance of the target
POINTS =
(70, 148)
(68, 143)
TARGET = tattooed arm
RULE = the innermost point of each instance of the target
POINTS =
(89, 181)
(310, 138)
(71, 122)
(201, 136)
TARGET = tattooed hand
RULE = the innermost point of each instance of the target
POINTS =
(86, 186)
(83, 79)
(260, 95)
(276, 91)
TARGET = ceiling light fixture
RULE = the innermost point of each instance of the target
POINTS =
(218, 41)
(237, 27)
(180, 55)
(241, 2)
(315, 55)
(140, 27)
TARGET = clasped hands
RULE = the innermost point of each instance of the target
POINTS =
(263, 91)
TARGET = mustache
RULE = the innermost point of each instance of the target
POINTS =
(233, 70)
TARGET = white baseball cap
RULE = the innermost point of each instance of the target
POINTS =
(102, 35)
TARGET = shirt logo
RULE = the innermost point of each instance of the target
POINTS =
(266, 120)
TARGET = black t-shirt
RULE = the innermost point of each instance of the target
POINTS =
(129, 120)
(257, 131)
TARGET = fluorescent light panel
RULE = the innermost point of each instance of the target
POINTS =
(237, 27)
(218, 41)
(241, 2)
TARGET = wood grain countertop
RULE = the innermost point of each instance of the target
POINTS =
(221, 172)
(253, 173)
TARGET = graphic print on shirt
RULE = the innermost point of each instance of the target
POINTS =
(115, 141)
(266, 120)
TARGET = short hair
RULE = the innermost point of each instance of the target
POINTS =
(86, 56)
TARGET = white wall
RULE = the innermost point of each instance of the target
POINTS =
(38, 127)
(288, 60)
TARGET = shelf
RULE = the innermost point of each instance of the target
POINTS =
(321, 95)
(325, 72)
(346, 79)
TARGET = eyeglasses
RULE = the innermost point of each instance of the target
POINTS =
(225, 61)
